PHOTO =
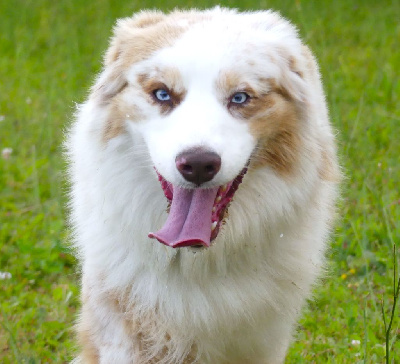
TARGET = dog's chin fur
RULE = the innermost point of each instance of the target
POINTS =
(236, 302)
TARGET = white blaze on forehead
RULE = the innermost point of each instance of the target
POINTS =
(196, 55)
(202, 52)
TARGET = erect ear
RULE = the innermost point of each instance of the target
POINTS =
(122, 52)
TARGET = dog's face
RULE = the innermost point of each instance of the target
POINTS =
(211, 95)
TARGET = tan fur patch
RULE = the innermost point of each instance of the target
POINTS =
(135, 39)
(143, 330)
(169, 80)
(119, 113)
(138, 37)
(230, 82)
(89, 352)
(311, 63)
(293, 65)
(145, 19)
(277, 132)
(114, 125)
(127, 29)
(272, 116)
(274, 122)
(328, 169)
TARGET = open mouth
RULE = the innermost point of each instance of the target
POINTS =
(196, 215)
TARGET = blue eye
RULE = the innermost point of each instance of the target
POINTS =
(239, 98)
(162, 95)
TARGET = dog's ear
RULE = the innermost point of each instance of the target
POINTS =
(125, 29)
(121, 52)
(300, 75)
(293, 76)
(282, 36)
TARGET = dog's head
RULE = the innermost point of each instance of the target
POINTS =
(212, 93)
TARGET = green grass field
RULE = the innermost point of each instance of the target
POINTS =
(49, 54)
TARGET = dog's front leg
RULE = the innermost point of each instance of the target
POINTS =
(105, 332)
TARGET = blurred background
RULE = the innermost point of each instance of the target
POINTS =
(50, 52)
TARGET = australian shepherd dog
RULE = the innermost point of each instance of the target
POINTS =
(203, 176)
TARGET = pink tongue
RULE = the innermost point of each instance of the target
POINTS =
(189, 219)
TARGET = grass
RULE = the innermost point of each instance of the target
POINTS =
(49, 54)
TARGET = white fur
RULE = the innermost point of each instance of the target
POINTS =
(238, 301)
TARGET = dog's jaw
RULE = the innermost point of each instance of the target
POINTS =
(195, 215)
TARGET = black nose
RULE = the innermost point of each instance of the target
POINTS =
(198, 165)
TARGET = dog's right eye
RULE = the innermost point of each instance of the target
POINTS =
(239, 98)
(162, 95)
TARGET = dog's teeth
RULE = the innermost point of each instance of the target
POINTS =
(224, 187)
(213, 225)
(218, 199)
(214, 209)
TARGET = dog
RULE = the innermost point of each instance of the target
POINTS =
(204, 176)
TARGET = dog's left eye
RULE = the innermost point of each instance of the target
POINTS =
(239, 98)
(162, 95)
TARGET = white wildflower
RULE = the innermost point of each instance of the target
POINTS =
(6, 152)
(5, 275)
(355, 342)
(2, 117)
